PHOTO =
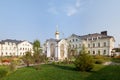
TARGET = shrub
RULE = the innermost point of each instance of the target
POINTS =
(12, 66)
(3, 72)
(84, 62)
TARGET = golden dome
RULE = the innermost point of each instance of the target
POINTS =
(56, 32)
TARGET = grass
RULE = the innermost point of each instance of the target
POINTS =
(64, 72)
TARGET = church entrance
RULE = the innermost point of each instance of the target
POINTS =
(52, 50)
(62, 50)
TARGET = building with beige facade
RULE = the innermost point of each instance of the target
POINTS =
(96, 43)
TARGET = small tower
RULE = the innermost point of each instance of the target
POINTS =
(57, 33)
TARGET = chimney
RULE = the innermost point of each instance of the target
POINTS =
(104, 33)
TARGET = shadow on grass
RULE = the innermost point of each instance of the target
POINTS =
(111, 72)
(64, 67)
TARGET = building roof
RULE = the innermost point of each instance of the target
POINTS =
(94, 35)
(11, 41)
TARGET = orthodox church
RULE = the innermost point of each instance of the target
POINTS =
(56, 49)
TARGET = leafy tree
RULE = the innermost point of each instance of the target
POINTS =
(27, 58)
(84, 61)
(37, 51)
(36, 46)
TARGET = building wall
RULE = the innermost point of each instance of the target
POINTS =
(104, 46)
(24, 47)
(8, 49)
(13, 49)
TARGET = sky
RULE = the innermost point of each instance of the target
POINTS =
(37, 19)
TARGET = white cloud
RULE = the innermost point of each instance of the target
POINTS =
(68, 9)
(77, 3)
(73, 9)
(53, 10)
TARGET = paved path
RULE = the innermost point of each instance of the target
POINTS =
(111, 63)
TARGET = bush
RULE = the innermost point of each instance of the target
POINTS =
(12, 66)
(84, 62)
(3, 72)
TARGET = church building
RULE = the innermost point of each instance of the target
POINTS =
(56, 49)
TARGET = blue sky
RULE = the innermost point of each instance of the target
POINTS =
(37, 19)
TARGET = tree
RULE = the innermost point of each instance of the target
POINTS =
(84, 61)
(36, 46)
(27, 58)
(37, 51)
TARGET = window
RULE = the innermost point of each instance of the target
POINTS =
(98, 44)
(76, 39)
(20, 48)
(104, 52)
(104, 44)
(2, 53)
(6, 53)
(93, 52)
(88, 45)
(73, 40)
(93, 44)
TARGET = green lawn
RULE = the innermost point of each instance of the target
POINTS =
(65, 72)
